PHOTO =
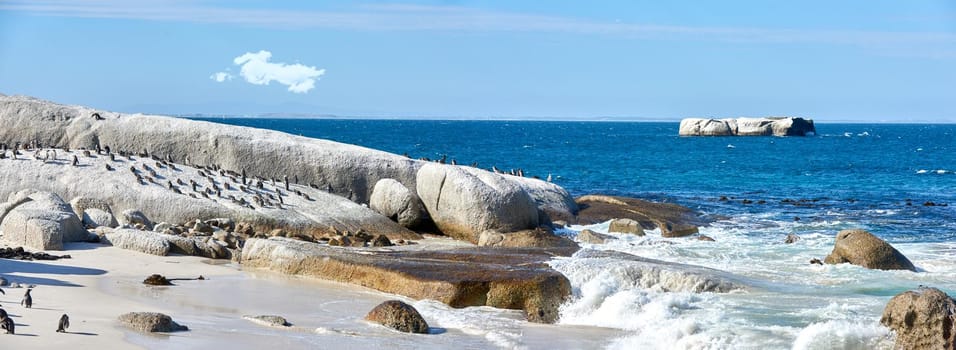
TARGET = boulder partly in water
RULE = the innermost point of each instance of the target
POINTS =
(859, 247)
(399, 316)
(923, 319)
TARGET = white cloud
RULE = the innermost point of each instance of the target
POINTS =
(256, 69)
(221, 77)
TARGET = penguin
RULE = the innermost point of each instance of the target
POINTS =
(107, 149)
(549, 177)
(96, 116)
(286, 180)
(27, 299)
(7, 323)
(64, 324)
(112, 157)
(108, 167)
(75, 161)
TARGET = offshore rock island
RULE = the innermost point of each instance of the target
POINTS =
(770, 126)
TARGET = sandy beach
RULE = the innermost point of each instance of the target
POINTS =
(99, 283)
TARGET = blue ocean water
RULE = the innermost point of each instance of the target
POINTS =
(849, 170)
(758, 189)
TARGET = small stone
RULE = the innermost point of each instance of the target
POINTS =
(705, 238)
(791, 238)
(626, 226)
(398, 315)
(381, 241)
(588, 236)
(269, 320)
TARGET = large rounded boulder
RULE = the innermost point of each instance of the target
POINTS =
(859, 247)
(150, 322)
(398, 315)
(392, 199)
(464, 202)
(93, 212)
(43, 222)
(922, 319)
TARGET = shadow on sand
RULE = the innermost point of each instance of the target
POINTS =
(35, 267)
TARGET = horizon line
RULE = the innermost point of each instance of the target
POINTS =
(529, 119)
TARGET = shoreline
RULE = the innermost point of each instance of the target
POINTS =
(100, 282)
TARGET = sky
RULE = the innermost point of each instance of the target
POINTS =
(848, 60)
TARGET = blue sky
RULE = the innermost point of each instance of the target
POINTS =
(853, 60)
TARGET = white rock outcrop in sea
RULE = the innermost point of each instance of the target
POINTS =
(771, 126)
(392, 199)
(464, 202)
(44, 222)
(314, 166)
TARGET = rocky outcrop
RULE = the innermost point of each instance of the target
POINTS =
(392, 199)
(923, 319)
(626, 226)
(503, 278)
(673, 220)
(399, 316)
(141, 241)
(541, 237)
(150, 322)
(44, 222)
(773, 126)
(862, 248)
(167, 196)
(344, 170)
(464, 202)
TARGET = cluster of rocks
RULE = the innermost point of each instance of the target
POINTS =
(18, 253)
(633, 216)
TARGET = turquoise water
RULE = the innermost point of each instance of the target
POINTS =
(848, 169)
(871, 176)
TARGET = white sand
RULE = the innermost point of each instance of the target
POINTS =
(100, 283)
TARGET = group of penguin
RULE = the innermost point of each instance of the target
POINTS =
(6, 323)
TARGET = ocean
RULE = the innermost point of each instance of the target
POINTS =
(894, 180)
